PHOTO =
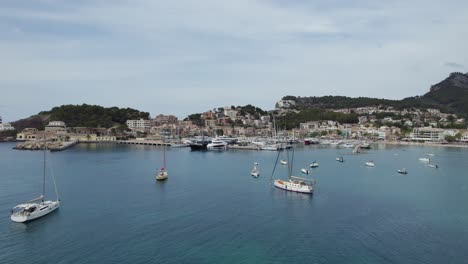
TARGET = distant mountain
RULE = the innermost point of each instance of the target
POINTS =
(450, 95)
(82, 116)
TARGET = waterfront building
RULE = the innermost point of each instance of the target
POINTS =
(56, 126)
(139, 125)
(6, 127)
(427, 134)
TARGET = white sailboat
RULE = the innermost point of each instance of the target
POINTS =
(162, 174)
(294, 184)
(314, 164)
(255, 171)
(38, 207)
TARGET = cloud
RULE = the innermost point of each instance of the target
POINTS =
(454, 65)
(242, 51)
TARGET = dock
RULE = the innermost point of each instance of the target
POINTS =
(250, 147)
(143, 142)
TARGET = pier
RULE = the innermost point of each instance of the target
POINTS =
(143, 142)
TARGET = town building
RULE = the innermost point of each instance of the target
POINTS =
(427, 134)
(139, 125)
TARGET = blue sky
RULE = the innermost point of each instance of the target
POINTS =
(187, 56)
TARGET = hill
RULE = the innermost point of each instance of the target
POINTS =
(82, 116)
(450, 95)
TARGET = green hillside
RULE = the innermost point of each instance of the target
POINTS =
(82, 116)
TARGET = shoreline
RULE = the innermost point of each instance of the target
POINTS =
(431, 144)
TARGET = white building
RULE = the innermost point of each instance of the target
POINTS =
(6, 127)
(140, 124)
(427, 134)
(230, 113)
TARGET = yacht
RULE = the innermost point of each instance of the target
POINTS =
(199, 144)
(217, 144)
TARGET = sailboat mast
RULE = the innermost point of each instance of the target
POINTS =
(44, 169)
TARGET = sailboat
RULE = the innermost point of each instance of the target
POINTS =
(293, 184)
(38, 207)
(162, 174)
(255, 172)
(314, 164)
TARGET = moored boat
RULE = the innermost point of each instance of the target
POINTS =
(402, 171)
(314, 164)
(38, 207)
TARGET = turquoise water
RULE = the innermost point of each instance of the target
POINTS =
(212, 211)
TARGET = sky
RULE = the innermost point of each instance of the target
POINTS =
(187, 56)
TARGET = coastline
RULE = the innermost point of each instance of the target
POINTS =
(426, 144)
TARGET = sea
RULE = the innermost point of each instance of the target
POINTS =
(211, 210)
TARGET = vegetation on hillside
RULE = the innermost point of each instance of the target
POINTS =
(82, 116)
(293, 119)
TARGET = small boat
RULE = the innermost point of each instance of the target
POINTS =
(305, 171)
(255, 172)
(402, 171)
(365, 146)
(347, 145)
(37, 207)
(162, 174)
(370, 164)
(433, 166)
(425, 159)
(314, 164)
(340, 159)
(284, 162)
(430, 154)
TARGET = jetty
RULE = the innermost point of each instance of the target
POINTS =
(51, 145)
(143, 142)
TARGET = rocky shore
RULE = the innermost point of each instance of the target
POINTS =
(39, 145)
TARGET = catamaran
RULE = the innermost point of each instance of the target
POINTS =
(38, 207)
(294, 184)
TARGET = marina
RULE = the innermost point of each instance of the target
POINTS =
(210, 206)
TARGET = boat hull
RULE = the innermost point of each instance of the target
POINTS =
(45, 208)
(199, 146)
(293, 187)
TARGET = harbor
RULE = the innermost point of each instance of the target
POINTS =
(210, 194)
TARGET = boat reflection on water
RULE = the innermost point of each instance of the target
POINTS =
(280, 194)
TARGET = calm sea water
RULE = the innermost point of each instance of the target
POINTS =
(212, 211)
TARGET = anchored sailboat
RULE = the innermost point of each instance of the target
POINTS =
(162, 174)
(255, 171)
(293, 184)
(37, 207)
